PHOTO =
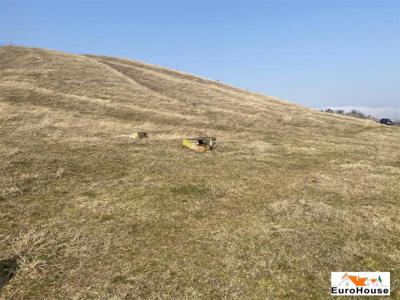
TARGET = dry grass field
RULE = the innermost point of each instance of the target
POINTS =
(87, 212)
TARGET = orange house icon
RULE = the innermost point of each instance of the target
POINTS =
(352, 280)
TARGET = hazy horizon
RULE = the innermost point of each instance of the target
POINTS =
(377, 112)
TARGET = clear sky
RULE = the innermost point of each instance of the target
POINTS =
(317, 53)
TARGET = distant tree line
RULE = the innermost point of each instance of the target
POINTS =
(353, 113)
(357, 114)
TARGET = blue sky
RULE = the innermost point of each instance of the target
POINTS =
(316, 53)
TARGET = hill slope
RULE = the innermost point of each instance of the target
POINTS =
(289, 195)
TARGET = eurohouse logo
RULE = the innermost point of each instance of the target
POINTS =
(360, 283)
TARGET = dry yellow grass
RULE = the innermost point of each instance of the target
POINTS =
(289, 195)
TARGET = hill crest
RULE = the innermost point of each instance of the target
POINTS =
(87, 211)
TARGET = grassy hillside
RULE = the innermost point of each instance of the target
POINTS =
(289, 195)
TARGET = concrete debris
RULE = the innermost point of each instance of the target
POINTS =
(200, 144)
